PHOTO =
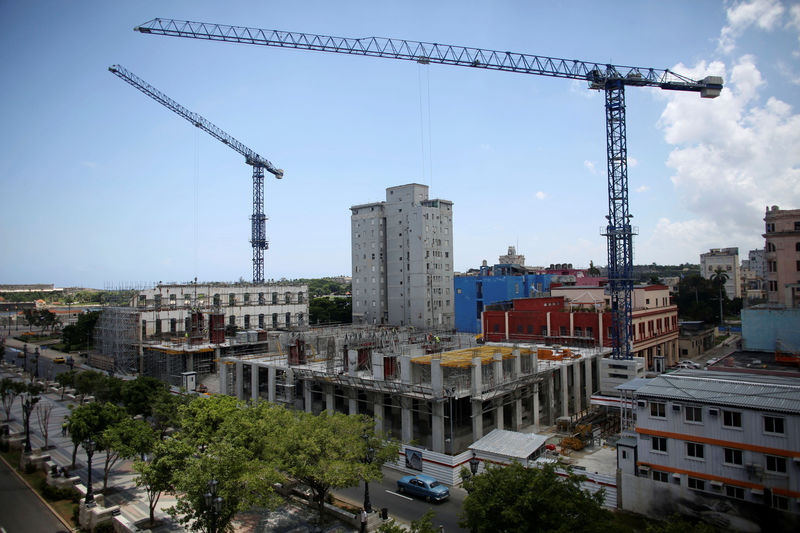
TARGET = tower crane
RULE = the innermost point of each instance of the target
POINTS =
(260, 164)
(612, 79)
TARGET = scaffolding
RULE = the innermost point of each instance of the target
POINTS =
(116, 336)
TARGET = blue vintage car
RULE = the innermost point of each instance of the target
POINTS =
(424, 487)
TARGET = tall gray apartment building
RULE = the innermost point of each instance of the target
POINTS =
(403, 260)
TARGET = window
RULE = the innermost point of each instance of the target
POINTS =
(694, 450)
(733, 457)
(734, 492)
(773, 424)
(246, 298)
(658, 410)
(659, 444)
(246, 321)
(231, 299)
(694, 414)
(232, 320)
(776, 464)
(663, 477)
(696, 484)
(731, 419)
(780, 502)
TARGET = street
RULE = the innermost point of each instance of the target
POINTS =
(405, 508)
(21, 510)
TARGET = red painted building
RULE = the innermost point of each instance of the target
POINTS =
(579, 316)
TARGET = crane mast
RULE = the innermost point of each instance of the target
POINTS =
(611, 79)
(258, 219)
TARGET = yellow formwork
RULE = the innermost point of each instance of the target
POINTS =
(463, 358)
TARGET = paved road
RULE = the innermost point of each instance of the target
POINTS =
(21, 510)
(407, 509)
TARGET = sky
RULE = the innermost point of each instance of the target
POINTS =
(101, 186)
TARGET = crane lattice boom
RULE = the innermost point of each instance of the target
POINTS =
(600, 76)
(259, 164)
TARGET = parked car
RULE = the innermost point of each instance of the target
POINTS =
(424, 487)
(59, 360)
(688, 364)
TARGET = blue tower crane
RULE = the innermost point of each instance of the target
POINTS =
(600, 76)
(258, 219)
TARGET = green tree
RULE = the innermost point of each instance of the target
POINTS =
(694, 299)
(90, 421)
(593, 270)
(423, 524)
(139, 395)
(719, 278)
(78, 336)
(236, 445)
(66, 379)
(88, 382)
(165, 412)
(327, 451)
(10, 390)
(513, 498)
(157, 475)
(125, 439)
(678, 524)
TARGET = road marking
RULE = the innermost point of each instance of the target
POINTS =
(396, 494)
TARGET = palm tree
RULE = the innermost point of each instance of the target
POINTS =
(719, 277)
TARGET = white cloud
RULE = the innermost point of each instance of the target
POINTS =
(643, 188)
(89, 164)
(765, 14)
(540, 195)
(733, 156)
(632, 162)
(589, 165)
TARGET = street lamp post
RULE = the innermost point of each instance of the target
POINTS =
(368, 458)
(89, 445)
(36, 363)
(214, 503)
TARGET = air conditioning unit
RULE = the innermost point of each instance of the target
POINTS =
(717, 485)
(644, 469)
(676, 407)
(713, 411)
(641, 403)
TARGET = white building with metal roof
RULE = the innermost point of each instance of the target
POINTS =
(732, 439)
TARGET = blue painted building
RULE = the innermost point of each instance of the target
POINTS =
(766, 328)
(493, 284)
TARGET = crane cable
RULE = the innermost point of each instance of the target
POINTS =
(425, 93)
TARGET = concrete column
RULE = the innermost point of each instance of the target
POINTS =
(571, 323)
(506, 315)
(548, 323)
(223, 378)
(499, 415)
(477, 376)
(352, 401)
(377, 408)
(352, 362)
(576, 385)
(291, 393)
(437, 378)
(406, 419)
(498, 368)
(534, 362)
(551, 398)
(536, 408)
(330, 401)
(587, 370)
(254, 382)
(271, 384)
(405, 369)
(564, 390)
(477, 419)
(307, 397)
(377, 365)
(517, 363)
(240, 380)
(437, 426)
(516, 422)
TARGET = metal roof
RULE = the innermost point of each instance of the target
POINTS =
(509, 444)
(750, 391)
(634, 384)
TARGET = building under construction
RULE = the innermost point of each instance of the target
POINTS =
(440, 392)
